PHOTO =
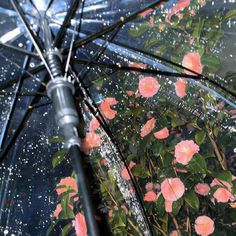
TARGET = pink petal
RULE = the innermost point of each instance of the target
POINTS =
(204, 225)
(148, 86)
(148, 127)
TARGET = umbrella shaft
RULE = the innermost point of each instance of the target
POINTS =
(77, 162)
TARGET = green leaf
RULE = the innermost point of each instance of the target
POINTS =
(167, 160)
(197, 164)
(138, 31)
(140, 170)
(160, 206)
(51, 227)
(56, 140)
(99, 81)
(234, 187)
(224, 175)
(211, 62)
(192, 200)
(119, 219)
(66, 212)
(157, 148)
(65, 231)
(150, 42)
(215, 131)
(164, 219)
(232, 213)
(58, 157)
(200, 137)
(176, 206)
(230, 14)
(144, 143)
(175, 121)
(198, 29)
(161, 49)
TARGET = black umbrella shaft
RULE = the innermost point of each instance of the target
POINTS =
(77, 162)
(61, 93)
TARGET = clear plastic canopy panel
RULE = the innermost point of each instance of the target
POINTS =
(162, 85)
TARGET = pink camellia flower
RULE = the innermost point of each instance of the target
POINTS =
(130, 93)
(172, 189)
(80, 225)
(192, 61)
(57, 211)
(180, 87)
(204, 225)
(104, 161)
(174, 233)
(148, 127)
(123, 206)
(202, 189)
(157, 187)
(124, 172)
(90, 141)
(150, 196)
(192, 12)
(148, 86)
(168, 206)
(180, 6)
(137, 65)
(162, 134)
(105, 107)
(145, 13)
(185, 150)
(110, 213)
(66, 185)
(222, 194)
(233, 114)
(94, 124)
(149, 186)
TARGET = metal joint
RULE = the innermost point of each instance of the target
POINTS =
(61, 92)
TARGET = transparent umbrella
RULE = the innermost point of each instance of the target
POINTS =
(146, 89)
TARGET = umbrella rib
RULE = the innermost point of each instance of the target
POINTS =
(97, 113)
(66, 23)
(36, 42)
(49, 5)
(98, 54)
(19, 50)
(201, 76)
(110, 28)
(23, 18)
(156, 72)
(26, 75)
(73, 39)
(22, 94)
(38, 105)
(25, 118)
(24, 70)
(130, 69)
(13, 104)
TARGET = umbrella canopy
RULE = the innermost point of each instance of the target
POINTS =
(155, 93)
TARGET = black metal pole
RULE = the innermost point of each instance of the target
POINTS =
(83, 186)
(61, 92)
